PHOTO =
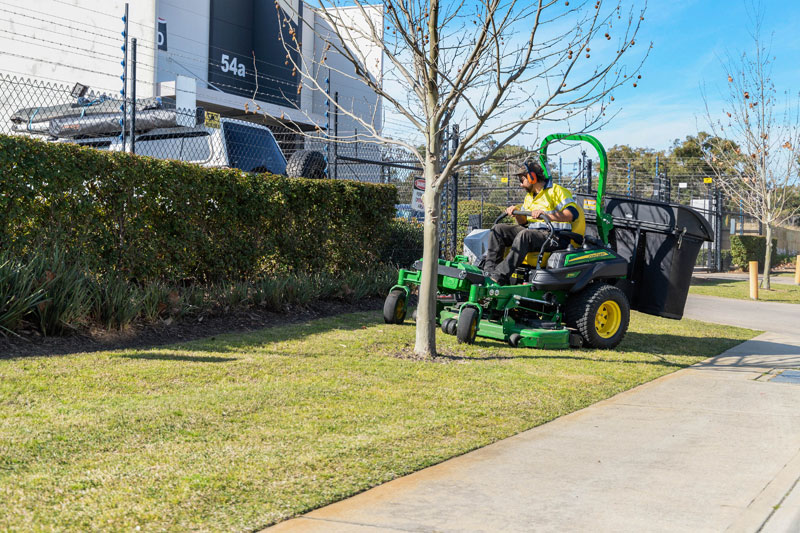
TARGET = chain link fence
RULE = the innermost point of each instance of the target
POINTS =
(154, 127)
(58, 113)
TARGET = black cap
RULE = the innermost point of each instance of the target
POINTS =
(526, 167)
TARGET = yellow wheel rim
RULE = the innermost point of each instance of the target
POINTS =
(608, 319)
(473, 329)
(400, 309)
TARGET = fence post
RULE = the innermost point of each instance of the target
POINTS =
(327, 120)
(718, 236)
(628, 184)
(469, 183)
(560, 174)
(133, 95)
(336, 135)
(589, 176)
(710, 213)
(508, 185)
(454, 141)
(657, 181)
(124, 91)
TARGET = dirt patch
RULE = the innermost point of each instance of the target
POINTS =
(151, 335)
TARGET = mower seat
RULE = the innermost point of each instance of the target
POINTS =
(531, 258)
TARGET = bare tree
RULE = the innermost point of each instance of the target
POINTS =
(760, 174)
(493, 67)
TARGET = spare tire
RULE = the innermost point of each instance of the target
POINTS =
(306, 164)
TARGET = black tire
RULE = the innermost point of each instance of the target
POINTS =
(467, 327)
(601, 314)
(446, 326)
(514, 339)
(452, 326)
(306, 164)
(394, 307)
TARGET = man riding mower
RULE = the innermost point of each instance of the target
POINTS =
(553, 280)
(526, 236)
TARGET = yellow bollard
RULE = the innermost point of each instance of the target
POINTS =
(797, 271)
(754, 280)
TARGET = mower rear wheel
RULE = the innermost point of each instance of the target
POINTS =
(394, 307)
(467, 327)
(601, 314)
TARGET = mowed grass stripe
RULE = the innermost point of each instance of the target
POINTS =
(740, 290)
(242, 431)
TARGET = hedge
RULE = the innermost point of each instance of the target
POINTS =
(404, 245)
(152, 219)
(746, 248)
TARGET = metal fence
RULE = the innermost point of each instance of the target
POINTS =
(155, 127)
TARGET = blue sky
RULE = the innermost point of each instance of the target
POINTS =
(690, 40)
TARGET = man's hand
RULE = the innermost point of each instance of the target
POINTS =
(536, 213)
(521, 219)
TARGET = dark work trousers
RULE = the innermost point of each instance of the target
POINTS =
(521, 240)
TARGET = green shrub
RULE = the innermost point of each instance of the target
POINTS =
(67, 291)
(404, 243)
(20, 293)
(746, 248)
(149, 219)
(117, 302)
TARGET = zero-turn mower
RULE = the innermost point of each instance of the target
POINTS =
(580, 295)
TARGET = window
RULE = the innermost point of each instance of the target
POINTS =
(253, 149)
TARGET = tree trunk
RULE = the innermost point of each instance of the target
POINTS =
(426, 309)
(767, 259)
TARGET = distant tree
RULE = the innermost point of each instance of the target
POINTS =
(760, 174)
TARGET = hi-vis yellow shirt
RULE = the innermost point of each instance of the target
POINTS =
(554, 198)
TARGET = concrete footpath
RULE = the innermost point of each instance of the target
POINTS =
(714, 447)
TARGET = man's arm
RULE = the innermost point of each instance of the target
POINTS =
(567, 215)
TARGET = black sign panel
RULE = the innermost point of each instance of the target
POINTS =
(244, 40)
(162, 34)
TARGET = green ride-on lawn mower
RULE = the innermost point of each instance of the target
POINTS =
(556, 300)
(638, 254)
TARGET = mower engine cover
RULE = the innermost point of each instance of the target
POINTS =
(476, 244)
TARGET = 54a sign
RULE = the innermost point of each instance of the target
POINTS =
(232, 65)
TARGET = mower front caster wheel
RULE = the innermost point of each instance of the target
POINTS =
(394, 307)
(514, 339)
(449, 326)
(467, 326)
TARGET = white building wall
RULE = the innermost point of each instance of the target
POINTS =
(354, 95)
(187, 40)
(69, 41)
(77, 41)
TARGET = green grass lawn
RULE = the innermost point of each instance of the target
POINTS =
(740, 289)
(240, 431)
